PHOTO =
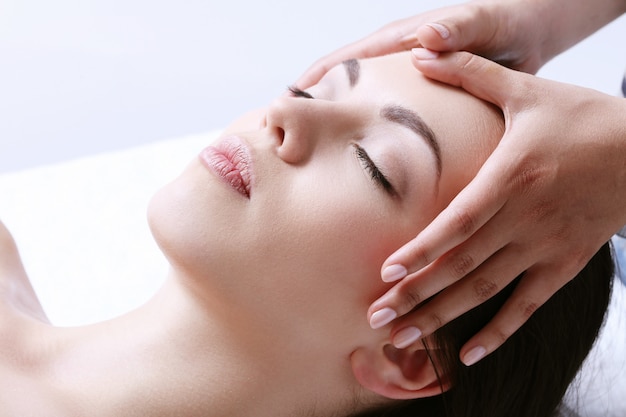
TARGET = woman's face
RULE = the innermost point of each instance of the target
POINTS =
(337, 182)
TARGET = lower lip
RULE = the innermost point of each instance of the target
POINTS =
(229, 160)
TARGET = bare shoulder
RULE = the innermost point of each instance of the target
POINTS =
(16, 290)
(9, 256)
(5, 235)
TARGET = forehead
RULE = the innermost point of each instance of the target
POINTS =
(466, 127)
(393, 78)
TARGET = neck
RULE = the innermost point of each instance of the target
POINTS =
(179, 355)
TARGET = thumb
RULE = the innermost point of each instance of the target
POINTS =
(470, 29)
(478, 76)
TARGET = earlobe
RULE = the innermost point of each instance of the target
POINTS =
(400, 374)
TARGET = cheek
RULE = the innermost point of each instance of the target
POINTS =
(338, 228)
(322, 263)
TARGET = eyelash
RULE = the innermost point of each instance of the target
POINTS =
(377, 176)
(296, 92)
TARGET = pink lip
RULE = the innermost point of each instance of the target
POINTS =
(230, 160)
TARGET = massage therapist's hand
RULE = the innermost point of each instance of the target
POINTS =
(552, 192)
(497, 30)
(519, 34)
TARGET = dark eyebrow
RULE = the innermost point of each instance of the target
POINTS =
(399, 114)
(353, 69)
(411, 120)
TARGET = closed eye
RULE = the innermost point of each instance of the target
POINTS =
(377, 176)
(296, 92)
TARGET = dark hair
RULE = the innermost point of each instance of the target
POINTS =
(529, 374)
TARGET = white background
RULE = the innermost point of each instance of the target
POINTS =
(79, 77)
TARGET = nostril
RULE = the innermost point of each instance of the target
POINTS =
(280, 135)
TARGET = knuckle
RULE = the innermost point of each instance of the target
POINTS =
(527, 308)
(410, 300)
(543, 210)
(560, 234)
(475, 65)
(420, 254)
(577, 259)
(500, 336)
(461, 265)
(469, 61)
(436, 320)
(528, 172)
(484, 289)
(397, 33)
(463, 222)
(527, 177)
(423, 256)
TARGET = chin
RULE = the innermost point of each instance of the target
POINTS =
(166, 219)
(192, 223)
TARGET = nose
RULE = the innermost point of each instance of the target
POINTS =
(301, 126)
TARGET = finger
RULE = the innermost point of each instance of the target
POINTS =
(482, 284)
(445, 271)
(533, 290)
(478, 76)
(320, 67)
(469, 27)
(478, 202)
(383, 42)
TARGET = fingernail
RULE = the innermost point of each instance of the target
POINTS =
(474, 355)
(382, 317)
(393, 273)
(406, 337)
(443, 31)
(423, 53)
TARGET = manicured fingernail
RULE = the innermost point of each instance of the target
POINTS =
(474, 355)
(406, 337)
(443, 31)
(423, 53)
(382, 317)
(393, 273)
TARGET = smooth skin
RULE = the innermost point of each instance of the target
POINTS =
(549, 196)
(261, 313)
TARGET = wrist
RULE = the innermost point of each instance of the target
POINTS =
(564, 23)
(532, 32)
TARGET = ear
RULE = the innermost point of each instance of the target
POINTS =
(400, 374)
